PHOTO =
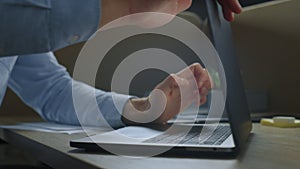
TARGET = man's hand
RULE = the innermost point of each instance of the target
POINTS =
(170, 97)
(230, 7)
(114, 9)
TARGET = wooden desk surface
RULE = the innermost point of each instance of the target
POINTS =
(268, 148)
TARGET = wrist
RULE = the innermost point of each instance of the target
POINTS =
(140, 104)
(135, 109)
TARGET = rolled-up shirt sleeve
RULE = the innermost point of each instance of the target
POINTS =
(37, 26)
(43, 84)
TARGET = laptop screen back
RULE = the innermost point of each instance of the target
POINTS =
(221, 37)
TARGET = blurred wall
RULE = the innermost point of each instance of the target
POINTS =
(268, 45)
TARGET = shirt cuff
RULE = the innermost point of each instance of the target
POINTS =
(112, 108)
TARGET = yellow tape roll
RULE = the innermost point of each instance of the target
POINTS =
(282, 122)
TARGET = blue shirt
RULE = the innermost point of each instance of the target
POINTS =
(39, 26)
(43, 84)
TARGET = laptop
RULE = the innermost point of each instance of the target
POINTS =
(225, 139)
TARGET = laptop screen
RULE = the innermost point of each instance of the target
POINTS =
(221, 36)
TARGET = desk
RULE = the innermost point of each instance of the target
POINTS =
(267, 148)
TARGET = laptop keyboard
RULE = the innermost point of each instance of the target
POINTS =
(220, 134)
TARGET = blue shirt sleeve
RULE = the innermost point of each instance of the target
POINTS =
(42, 83)
(6, 66)
(38, 26)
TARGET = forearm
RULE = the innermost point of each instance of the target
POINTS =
(81, 104)
(43, 84)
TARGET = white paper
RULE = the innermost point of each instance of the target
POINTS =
(52, 128)
(138, 132)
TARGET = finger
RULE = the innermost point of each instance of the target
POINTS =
(234, 6)
(203, 77)
(203, 100)
(229, 7)
(203, 91)
(196, 97)
(208, 84)
(211, 84)
(194, 71)
(228, 14)
(183, 5)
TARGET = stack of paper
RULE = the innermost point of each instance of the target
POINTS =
(52, 128)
